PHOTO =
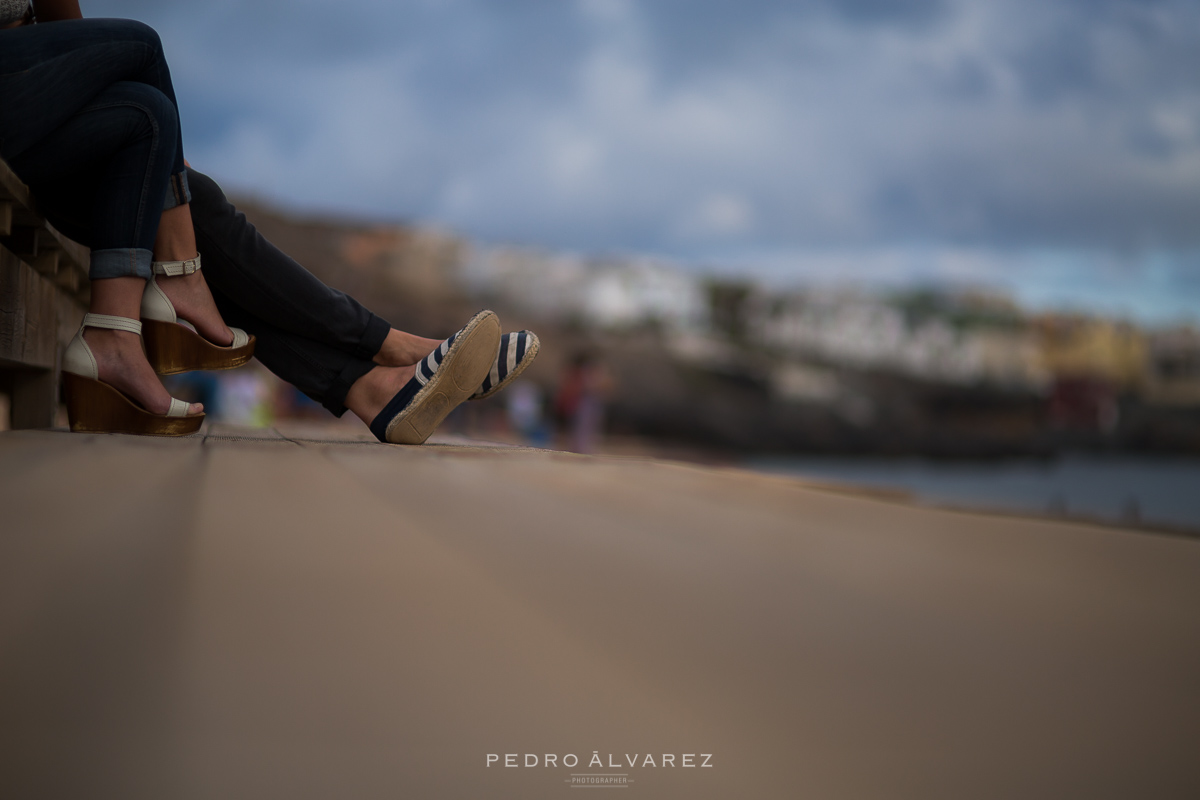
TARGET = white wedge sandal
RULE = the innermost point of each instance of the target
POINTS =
(172, 347)
(96, 407)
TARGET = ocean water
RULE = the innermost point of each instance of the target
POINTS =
(1150, 491)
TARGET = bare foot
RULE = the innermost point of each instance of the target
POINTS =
(122, 365)
(176, 241)
(402, 349)
(194, 303)
(373, 391)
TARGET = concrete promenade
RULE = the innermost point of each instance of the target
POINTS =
(305, 613)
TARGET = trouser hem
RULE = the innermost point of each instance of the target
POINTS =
(124, 262)
(373, 337)
(335, 400)
(178, 191)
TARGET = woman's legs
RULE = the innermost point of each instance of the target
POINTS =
(90, 122)
(189, 294)
(120, 360)
(101, 177)
(49, 72)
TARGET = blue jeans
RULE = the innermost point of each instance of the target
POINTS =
(88, 119)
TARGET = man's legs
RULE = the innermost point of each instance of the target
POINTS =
(322, 372)
(259, 278)
(314, 337)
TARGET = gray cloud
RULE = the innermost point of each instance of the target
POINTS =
(708, 130)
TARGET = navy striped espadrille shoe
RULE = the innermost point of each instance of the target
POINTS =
(444, 379)
(517, 351)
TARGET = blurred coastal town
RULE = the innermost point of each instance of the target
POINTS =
(673, 355)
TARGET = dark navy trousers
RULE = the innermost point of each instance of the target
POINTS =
(316, 338)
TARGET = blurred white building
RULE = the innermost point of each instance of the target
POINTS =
(867, 332)
(609, 294)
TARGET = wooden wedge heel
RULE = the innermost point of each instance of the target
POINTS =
(93, 406)
(172, 347)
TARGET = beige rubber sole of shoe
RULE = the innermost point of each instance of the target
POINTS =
(96, 407)
(172, 349)
(462, 371)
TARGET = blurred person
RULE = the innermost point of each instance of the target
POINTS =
(524, 408)
(90, 122)
(245, 398)
(579, 402)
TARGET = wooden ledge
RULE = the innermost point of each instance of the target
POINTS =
(27, 234)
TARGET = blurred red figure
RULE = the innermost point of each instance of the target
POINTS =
(579, 402)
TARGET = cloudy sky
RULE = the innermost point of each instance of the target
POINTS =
(1049, 147)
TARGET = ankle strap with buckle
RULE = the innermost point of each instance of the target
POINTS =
(175, 268)
(112, 323)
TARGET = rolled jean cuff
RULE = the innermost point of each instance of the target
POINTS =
(125, 262)
(373, 337)
(178, 192)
